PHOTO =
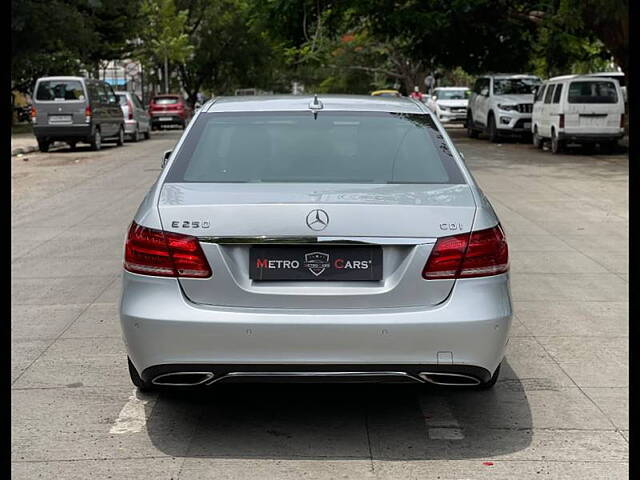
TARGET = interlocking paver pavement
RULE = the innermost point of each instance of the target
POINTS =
(560, 409)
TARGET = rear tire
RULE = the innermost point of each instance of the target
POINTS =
(136, 135)
(536, 139)
(492, 131)
(557, 145)
(137, 380)
(471, 132)
(609, 147)
(120, 138)
(43, 145)
(147, 134)
(96, 140)
(491, 382)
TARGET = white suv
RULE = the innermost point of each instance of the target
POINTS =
(501, 105)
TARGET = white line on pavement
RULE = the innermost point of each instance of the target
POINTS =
(132, 417)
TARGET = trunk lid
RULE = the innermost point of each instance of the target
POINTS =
(404, 219)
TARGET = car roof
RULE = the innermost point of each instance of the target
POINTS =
(510, 75)
(62, 77)
(451, 88)
(588, 76)
(605, 74)
(275, 103)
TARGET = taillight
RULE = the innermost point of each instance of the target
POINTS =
(34, 114)
(478, 254)
(87, 114)
(130, 105)
(622, 120)
(164, 254)
(561, 121)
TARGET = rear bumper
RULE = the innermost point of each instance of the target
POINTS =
(54, 132)
(589, 137)
(130, 127)
(162, 329)
(166, 119)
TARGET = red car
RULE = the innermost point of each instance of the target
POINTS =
(169, 109)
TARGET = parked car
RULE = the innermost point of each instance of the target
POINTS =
(386, 93)
(578, 109)
(169, 109)
(349, 244)
(137, 122)
(449, 104)
(501, 105)
(76, 109)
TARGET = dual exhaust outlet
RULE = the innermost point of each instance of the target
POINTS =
(194, 379)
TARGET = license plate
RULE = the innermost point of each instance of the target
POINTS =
(527, 124)
(60, 119)
(593, 121)
(316, 263)
(165, 119)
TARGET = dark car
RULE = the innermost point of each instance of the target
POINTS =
(169, 109)
(76, 109)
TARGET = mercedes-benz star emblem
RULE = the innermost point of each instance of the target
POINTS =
(317, 220)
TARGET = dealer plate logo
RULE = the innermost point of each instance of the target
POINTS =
(316, 262)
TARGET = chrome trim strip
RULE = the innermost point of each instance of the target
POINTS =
(208, 376)
(317, 374)
(315, 240)
(425, 377)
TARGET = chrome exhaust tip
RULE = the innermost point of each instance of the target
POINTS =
(182, 379)
(449, 379)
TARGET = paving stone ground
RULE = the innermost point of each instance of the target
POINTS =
(559, 411)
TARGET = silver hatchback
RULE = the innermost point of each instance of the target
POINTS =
(324, 239)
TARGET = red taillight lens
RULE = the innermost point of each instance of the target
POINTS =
(130, 105)
(446, 257)
(164, 254)
(561, 121)
(478, 254)
(34, 112)
(622, 120)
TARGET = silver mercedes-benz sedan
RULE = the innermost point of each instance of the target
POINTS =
(298, 238)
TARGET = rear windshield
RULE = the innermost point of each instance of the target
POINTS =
(333, 147)
(165, 100)
(452, 94)
(601, 91)
(60, 90)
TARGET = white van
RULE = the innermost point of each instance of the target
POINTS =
(578, 109)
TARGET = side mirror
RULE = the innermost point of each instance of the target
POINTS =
(434, 98)
(165, 157)
(484, 92)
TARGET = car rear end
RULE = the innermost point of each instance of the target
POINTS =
(167, 110)
(61, 110)
(283, 245)
(593, 111)
(128, 111)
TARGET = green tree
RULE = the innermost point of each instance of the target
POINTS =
(229, 50)
(164, 38)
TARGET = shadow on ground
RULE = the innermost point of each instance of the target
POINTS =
(392, 422)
